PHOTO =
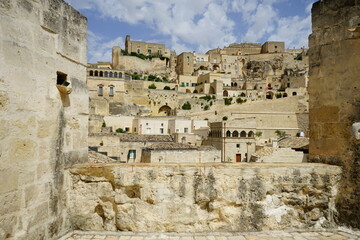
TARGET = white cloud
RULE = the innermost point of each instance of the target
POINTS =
(202, 24)
(99, 49)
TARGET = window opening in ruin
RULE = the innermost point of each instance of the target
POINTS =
(91, 73)
(294, 93)
(96, 73)
(101, 74)
(61, 79)
(186, 130)
(161, 130)
(238, 145)
(127, 129)
(288, 84)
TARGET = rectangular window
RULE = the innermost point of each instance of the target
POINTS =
(127, 129)
(183, 84)
(159, 52)
(148, 131)
(138, 51)
(132, 154)
(161, 130)
(186, 130)
(111, 91)
(238, 145)
(100, 90)
(224, 66)
(288, 84)
(149, 51)
(187, 84)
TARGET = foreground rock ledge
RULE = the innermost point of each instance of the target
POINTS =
(202, 197)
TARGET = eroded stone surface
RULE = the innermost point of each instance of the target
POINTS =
(202, 198)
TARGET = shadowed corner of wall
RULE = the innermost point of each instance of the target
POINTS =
(64, 88)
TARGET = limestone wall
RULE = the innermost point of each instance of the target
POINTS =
(334, 97)
(41, 130)
(203, 197)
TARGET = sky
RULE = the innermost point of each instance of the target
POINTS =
(193, 25)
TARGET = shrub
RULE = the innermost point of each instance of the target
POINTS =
(225, 118)
(120, 130)
(186, 106)
(240, 100)
(207, 97)
(228, 101)
(278, 95)
(152, 86)
(151, 77)
(258, 134)
(206, 107)
(135, 76)
(167, 88)
(103, 124)
(280, 133)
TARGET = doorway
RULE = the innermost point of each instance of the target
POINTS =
(238, 157)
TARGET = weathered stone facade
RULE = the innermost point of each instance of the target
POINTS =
(42, 129)
(334, 97)
(202, 197)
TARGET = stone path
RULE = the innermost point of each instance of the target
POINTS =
(276, 235)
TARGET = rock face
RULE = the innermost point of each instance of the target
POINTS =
(334, 97)
(203, 197)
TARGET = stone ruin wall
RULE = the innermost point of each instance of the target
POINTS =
(202, 197)
(41, 131)
(334, 98)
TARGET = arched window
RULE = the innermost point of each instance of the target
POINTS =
(96, 73)
(101, 74)
(115, 75)
(106, 74)
(225, 93)
(228, 133)
(251, 134)
(235, 134)
(111, 74)
(91, 73)
(120, 74)
(242, 94)
(243, 134)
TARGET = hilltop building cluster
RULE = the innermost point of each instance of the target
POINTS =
(245, 96)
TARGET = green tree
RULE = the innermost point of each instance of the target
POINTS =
(258, 134)
(186, 106)
(225, 118)
(206, 107)
(167, 88)
(228, 101)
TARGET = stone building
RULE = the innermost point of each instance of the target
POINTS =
(235, 138)
(148, 49)
(273, 47)
(335, 100)
(43, 114)
(180, 153)
(185, 64)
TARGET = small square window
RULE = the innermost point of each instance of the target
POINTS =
(238, 145)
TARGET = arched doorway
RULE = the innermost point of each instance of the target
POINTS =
(188, 91)
(225, 93)
(269, 95)
(212, 90)
(195, 91)
(165, 110)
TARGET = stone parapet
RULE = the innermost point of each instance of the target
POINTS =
(202, 197)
